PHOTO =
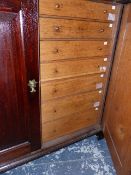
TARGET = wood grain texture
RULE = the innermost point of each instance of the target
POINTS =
(10, 5)
(73, 47)
(19, 119)
(65, 28)
(60, 108)
(59, 50)
(14, 152)
(65, 87)
(77, 8)
(68, 124)
(65, 69)
(31, 44)
(118, 106)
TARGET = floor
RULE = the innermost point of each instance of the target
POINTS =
(87, 157)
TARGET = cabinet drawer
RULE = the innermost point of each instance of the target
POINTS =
(69, 124)
(65, 69)
(61, 88)
(63, 28)
(58, 50)
(55, 109)
(76, 8)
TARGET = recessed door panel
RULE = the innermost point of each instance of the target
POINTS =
(19, 107)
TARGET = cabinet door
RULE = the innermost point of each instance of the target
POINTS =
(118, 105)
(19, 107)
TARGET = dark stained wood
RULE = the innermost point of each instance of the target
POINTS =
(114, 1)
(14, 152)
(10, 5)
(31, 42)
(19, 109)
(117, 120)
(123, 1)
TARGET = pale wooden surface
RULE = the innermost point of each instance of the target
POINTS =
(69, 124)
(62, 69)
(77, 8)
(65, 28)
(73, 46)
(59, 108)
(65, 87)
(58, 50)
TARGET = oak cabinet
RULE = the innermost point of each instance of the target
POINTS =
(56, 58)
(85, 9)
(75, 48)
(71, 28)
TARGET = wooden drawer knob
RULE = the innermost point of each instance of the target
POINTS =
(57, 29)
(57, 6)
(105, 11)
(99, 48)
(56, 51)
(101, 30)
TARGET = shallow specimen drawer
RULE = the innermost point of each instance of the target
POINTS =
(68, 124)
(64, 28)
(64, 87)
(65, 69)
(59, 108)
(58, 50)
(77, 8)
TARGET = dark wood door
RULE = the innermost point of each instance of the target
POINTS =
(19, 108)
(118, 104)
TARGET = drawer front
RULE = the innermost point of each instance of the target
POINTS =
(65, 69)
(58, 50)
(55, 109)
(76, 8)
(61, 88)
(63, 28)
(67, 125)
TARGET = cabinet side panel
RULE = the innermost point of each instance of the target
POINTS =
(118, 107)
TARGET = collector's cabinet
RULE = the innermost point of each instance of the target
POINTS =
(76, 49)
(55, 63)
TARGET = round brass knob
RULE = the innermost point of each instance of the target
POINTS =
(102, 30)
(57, 6)
(57, 28)
(105, 11)
(99, 48)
